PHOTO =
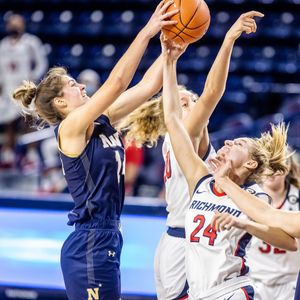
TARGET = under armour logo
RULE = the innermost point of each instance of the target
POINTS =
(111, 253)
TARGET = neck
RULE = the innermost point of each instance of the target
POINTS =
(240, 176)
(277, 193)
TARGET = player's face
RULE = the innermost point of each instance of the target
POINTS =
(187, 101)
(274, 182)
(236, 150)
(222, 152)
(74, 93)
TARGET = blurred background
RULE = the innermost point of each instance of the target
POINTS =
(88, 37)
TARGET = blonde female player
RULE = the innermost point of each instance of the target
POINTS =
(145, 125)
(274, 270)
(214, 262)
(92, 155)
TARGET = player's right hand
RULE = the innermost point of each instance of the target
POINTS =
(225, 221)
(245, 23)
(160, 18)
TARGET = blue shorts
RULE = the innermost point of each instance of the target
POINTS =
(90, 261)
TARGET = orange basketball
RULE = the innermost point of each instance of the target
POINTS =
(193, 21)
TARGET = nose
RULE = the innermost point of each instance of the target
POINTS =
(82, 86)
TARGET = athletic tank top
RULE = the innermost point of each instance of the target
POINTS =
(96, 177)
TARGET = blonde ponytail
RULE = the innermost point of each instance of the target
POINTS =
(270, 152)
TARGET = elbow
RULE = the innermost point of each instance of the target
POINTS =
(117, 83)
(170, 120)
(212, 92)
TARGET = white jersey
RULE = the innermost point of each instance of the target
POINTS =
(23, 60)
(215, 261)
(270, 265)
(177, 191)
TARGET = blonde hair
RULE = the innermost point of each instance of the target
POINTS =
(270, 152)
(37, 101)
(146, 124)
(293, 176)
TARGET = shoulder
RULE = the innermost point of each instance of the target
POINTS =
(256, 190)
(293, 194)
(103, 120)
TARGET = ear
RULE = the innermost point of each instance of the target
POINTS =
(251, 164)
(60, 102)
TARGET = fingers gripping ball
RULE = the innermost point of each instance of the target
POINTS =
(193, 21)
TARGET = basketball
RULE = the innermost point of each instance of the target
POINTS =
(193, 21)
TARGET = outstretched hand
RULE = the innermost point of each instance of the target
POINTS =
(161, 18)
(170, 49)
(222, 168)
(225, 221)
(245, 23)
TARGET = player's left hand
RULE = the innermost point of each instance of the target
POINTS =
(245, 23)
(170, 49)
(225, 221)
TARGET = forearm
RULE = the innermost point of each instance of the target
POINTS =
(172, 107)
(253, 207)
(127, 65)
(272, 235)
(213, 90)
(216, 79)
(137, 95)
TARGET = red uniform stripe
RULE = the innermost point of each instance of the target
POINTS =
(246, 294)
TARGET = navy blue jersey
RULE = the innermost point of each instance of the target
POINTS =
(96, 177)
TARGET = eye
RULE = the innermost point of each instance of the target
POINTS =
(72, 83)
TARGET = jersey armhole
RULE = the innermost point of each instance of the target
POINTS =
(201, 180)
(205, 156)
(59, 148)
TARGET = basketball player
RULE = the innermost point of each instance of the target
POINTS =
(274, 270)
(214, 261)
(92, 156)
(169, 264)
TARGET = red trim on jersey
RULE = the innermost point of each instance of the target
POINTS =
(168, 170)
(280, 206)
(184, 297)
(246, 294)
(219, 194)
(285, 198)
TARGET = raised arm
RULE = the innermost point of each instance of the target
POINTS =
(121, 74)
(272, 235)
(216, 80)
(129, 100)
(191, 165)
